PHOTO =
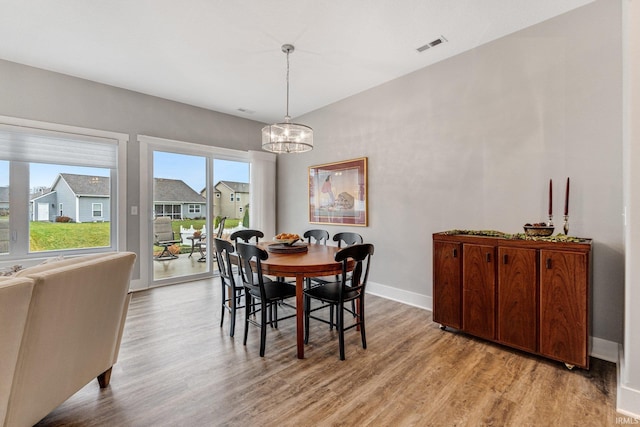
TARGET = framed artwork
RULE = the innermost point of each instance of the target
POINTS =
(338, 193)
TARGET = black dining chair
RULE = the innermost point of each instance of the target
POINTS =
(258, 288)
(347, 238)
(246, 235)
(338, 293)
(232, 292)
(320, 237)
(344, 239)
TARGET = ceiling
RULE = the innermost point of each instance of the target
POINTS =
(226, 55)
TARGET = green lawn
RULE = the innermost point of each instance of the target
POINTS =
(46, 236)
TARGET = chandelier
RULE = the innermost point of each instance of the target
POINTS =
(287, 137)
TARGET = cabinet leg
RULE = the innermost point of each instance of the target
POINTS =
(569, 366)
(444, 328)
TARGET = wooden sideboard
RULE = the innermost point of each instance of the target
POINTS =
(532, 295)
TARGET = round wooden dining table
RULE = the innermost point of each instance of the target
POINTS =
(317, 261)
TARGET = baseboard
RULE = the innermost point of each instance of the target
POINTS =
(599, 348)
(604, 349)
(627, 398)
(399, 295)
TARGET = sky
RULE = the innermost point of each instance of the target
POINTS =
(190, 169)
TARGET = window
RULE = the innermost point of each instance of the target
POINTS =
(59, 197)
(4, 207)
(217, 195)
(97, 210)
(237, 197)
(231, 197)
(194, 209)
(240, 209)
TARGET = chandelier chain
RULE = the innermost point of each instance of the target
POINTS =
(287, 83)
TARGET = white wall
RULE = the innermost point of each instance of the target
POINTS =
(471, 143)
(628, 396)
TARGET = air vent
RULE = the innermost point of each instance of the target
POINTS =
(244, 110)
(434, 43)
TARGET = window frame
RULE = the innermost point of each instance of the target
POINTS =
(93, 210)
(19, 191)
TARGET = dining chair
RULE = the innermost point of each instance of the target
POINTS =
(339, 292)
(258, 288)
(231, 291)
(344, 239)
(246, 235)
(347, 238)
(320, 237)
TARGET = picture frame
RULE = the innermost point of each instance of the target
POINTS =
(338, 193)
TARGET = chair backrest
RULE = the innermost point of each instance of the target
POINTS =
(347, 238)
(250, 266)
(361, 255)
(223, 248)
(320, 236)
(162, 229)
(245, 236)
(221, 227)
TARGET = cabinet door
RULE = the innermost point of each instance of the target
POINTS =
(478, 285)
(447, 288)
(564, 285)
(517, 297)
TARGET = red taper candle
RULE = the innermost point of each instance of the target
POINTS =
(550, 199)
(566, 199)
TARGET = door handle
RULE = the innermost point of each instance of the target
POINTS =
(505, 259)
(548, 263)
(488, 256)
(455, 253)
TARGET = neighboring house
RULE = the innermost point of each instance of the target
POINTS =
(230, 199)
(42, 205)
(83, 198)
(175, 199)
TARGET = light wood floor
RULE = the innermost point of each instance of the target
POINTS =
(177, 367)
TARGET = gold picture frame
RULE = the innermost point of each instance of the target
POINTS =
(338, 193)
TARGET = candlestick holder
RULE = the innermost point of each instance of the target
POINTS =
(550, 222)
(566, 225)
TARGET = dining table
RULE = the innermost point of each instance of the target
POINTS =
(318, 260)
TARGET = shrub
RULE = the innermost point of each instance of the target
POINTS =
(63, 219)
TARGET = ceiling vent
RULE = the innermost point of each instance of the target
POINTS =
(246, 111)
(434, 43)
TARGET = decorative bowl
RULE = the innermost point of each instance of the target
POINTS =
(538, 230)
(287, 242)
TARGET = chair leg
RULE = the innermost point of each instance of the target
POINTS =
(232, 302)
(340, 326)
(263, 328)
(307, 308)
(223, 302)
(361, 320)
(246, 317)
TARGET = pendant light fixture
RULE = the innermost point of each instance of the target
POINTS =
(287, 137)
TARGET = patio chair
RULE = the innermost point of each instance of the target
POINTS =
(202, 243)
(164, 237)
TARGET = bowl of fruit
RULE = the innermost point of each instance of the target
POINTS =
(538, 229)
(287, 239)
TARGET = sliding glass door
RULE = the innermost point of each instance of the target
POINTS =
(180, 215)
(187, 190)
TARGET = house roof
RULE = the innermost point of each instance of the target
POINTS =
(85, 185)
(174, 191)
(236, 187)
